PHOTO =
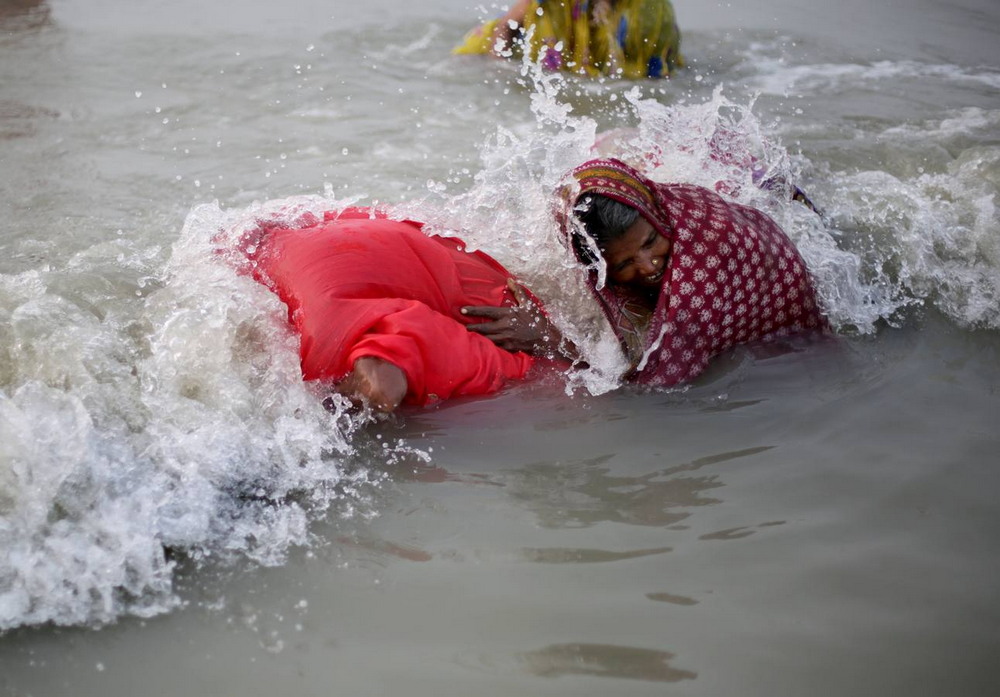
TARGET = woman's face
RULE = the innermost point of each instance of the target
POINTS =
(639, 257)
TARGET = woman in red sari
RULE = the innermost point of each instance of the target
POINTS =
(681, 274)
(377, 305)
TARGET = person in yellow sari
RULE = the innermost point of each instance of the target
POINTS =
(632, 39)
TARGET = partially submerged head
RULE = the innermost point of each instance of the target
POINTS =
(600, 220)
(614, 214)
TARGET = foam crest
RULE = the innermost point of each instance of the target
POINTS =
(175, 419)
(888, 240)
(78, 512)
(719, 144)
(774, 76)
(927, 227)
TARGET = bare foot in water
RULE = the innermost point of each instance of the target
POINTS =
(379, 382)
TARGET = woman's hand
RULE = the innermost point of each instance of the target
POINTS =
(521, 327)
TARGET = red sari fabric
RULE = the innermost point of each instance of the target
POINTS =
(734, 276)
(358, 284)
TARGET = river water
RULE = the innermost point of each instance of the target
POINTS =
(180, 515)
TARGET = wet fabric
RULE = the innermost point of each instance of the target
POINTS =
(357, 284)
(733, 276)
(633, 39)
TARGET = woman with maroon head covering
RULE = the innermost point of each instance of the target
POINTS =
(681, 274)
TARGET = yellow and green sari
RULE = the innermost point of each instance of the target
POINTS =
(633, 39)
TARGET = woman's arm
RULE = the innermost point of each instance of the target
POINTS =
(521, 327)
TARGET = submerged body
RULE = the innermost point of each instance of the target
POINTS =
(633, 39)
(365, 292)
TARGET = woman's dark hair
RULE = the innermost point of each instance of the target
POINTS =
(603, 220)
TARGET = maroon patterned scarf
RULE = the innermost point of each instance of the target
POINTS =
(733, 276)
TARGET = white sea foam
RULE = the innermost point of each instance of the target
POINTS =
(775, 76)
(968, 121)
(933, 226)
(186, 426)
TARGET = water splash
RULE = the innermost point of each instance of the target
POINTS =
(176, 420)
(888, 240)
(928, 226)
(719, 144)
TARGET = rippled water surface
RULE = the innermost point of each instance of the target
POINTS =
(180, 515)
